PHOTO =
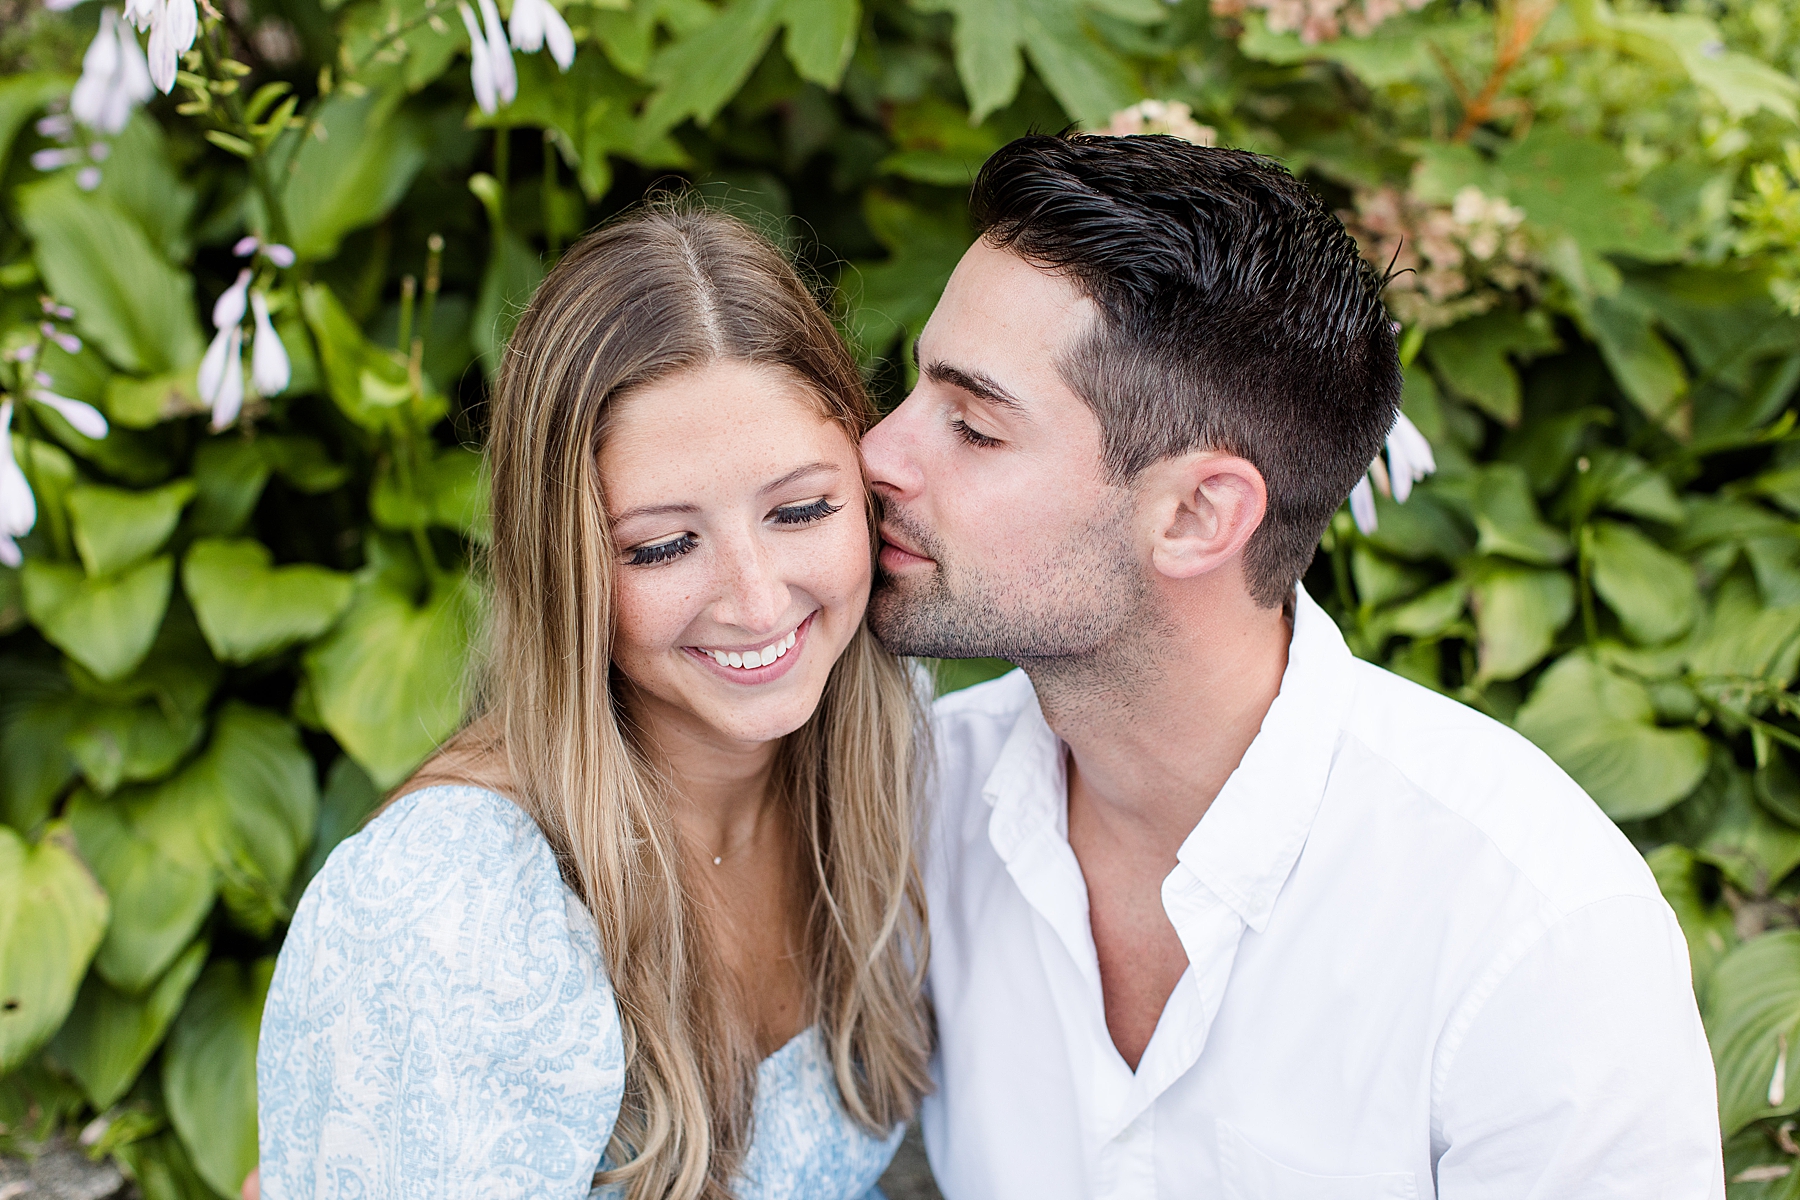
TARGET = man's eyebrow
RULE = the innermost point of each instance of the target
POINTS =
(798, 473)
(976, 383)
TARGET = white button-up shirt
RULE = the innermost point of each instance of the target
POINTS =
(1421, 963)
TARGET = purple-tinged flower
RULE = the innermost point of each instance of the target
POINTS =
(18, 508)
(84, 418)
(68, 341)
(269, 370)
(535, 22)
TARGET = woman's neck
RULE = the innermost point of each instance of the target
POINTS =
(721, 788)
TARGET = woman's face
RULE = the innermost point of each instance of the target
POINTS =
(743, 544)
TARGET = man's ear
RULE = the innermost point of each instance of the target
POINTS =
(1204, 506)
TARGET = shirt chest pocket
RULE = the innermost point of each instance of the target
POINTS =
(1249, 1174)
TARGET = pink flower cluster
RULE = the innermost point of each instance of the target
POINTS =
(1451, 261)
(1320, 20)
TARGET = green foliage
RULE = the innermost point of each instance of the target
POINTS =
(1593, 210)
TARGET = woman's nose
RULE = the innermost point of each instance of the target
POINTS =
(753, 592)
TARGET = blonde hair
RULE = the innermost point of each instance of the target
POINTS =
(665, 290)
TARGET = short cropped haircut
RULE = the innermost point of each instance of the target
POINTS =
(1236, 314)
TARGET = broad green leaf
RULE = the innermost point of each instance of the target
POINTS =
(349, 798)
(1601, 728)
(1752, 1013)
(144, 403)
(1778, 786)
(987, 36)
(1397, 51)
(160, 1166)
(1708, 926)
(347, 174)
(229, 476)
(895, 298)
(1507, 521)
(1741, 83)
(209, 1071)
(127, 743)
(141, 181)
(249, 608)
(106, 625)
(936, 144)
(35, 764)
(128, 300)
(149, 852)
(1423, 528)
(1652, 592)
(1647, 370)
(1753, 850)
(698, 73)
(109, 1036)
(1623, 483)
(1764, 645)
(513, 273)
(448, 489)
(52, 916)
(1517, 613)
(388, 680)
(1433, 613)
(115, 528)
(260, 779)
(1086, 76)
(1474, 359)
(22, 96)
(820, 36)
(368, 384)
(303, 462)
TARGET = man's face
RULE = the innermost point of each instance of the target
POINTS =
(1001, 535)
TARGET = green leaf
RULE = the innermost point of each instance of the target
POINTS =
(1601, 728)
(209, 1071)
(35, 765)
(349, 172)
(1739, 82)
(160, 1167)
(248, 608)
(229, 476)
(1507, 521)
(124, 743)
(988, 35)
(1397, 51)
(1753, 850)
(1474, 359)
(22, 95)
(820, 36)
(388, 680)
(513, 273)
(1433, 613)
(109, 1036)
(260, 779)
(448, 490)
(895, 298)
(1517, 613)
(349, 799)
(1752, 1011)
(1708, 927)
(149, 852)
(142, 180)
(1764, 645)
(1652, 592)
(368, 384)
(115, 528)
(1088, 79)
(52, 916)
(143, 403)
(128, 300)
(106, 625)
(1648, 371)
(698, 73)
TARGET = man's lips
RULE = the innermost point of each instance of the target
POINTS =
(896, 555)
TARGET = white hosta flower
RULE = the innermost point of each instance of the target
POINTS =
(222, 376)
(490, 58)
(1409, 460)
(481, 70)
(114, 77)
(535, 22)
(18, 509)
(269, 371)
(173, 25)
(228, 309)
(84, 418)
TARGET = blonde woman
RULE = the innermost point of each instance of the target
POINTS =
(651, 925)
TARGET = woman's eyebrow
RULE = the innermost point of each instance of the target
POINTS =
(799, 473)
(653, 510)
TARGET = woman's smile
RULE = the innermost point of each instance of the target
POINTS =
(763, 663)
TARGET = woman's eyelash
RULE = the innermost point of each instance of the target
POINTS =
(971, 436)
(805, 514)
(661, 552)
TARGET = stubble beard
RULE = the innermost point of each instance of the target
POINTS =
(1072, 620)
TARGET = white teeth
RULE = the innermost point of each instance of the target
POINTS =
(755, 658)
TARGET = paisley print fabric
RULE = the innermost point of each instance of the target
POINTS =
(440, 1025)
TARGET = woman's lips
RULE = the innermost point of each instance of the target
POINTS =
(767, 673)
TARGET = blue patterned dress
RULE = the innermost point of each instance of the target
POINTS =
(441, 1026)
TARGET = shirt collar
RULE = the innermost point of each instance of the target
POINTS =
(1245, 846)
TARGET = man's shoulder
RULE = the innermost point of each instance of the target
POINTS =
(1456, 765)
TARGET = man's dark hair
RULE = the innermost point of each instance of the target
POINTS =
(1235, 314)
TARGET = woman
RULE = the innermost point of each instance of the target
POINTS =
(656, 912)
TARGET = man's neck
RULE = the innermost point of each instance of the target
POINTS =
(1156, 723)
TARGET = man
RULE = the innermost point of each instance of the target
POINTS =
(1218, 910)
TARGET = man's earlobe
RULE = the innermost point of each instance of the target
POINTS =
(1208, 505)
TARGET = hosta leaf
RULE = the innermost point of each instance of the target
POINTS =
(147, 848)
(1708, 926)
(109, 1036)
(1652, 592)
(35, 763)
(22, 94)
(106, 625)
(447, 489)
(349, 797)
(698, 73)
(367, 383)
(388, 679)
(1475, 357)
(229, 476)
(894, 299)
(1764, 645)
(1647, 368)
(1753, 1008)
(349, 177)
(209, 1071)
(128, 743)
(249, 608)
(1601, 728)
(115, 528)
(136, 307)
(1517, 613)
(988, 34)
(820, 36)
(1087, 77)
(52, 917)
(1507, 521)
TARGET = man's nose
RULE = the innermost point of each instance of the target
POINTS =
(888, 450)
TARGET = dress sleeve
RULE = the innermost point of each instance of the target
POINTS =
(440, 1023)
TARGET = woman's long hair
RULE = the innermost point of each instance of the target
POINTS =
(665, 290)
